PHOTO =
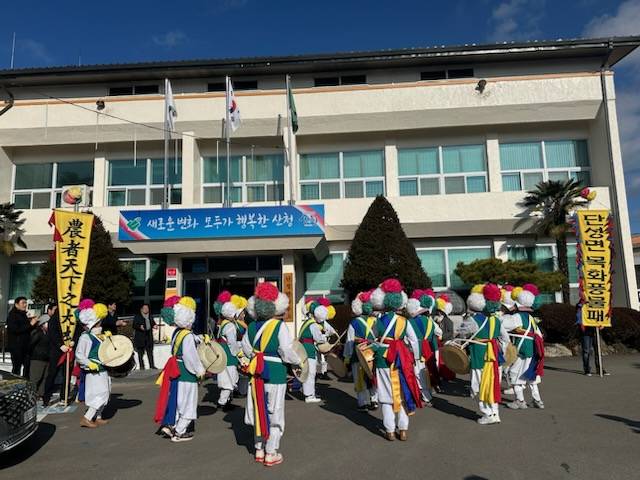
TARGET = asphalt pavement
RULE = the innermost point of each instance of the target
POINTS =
(589, 430)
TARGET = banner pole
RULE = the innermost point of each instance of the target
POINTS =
(599, 352)
(66, 380)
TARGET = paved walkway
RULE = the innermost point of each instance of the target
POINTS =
(589, 430)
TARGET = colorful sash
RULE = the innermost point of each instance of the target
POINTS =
(259, 371)
(490, 379)
(404, 384)
(536, 367)
(167, 405)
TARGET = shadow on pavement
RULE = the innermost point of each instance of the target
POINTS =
(445, 406)
(29, 447)
(341, 403)
(633, 424)
(116, 403)
(565, 370)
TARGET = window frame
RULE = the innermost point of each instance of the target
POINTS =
(148, 187)
(545, 170)
(243, 186)
(441, 176)
(341, 180)
(54, 192)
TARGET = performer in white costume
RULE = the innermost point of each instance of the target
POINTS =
(96, 380)
(527, 338)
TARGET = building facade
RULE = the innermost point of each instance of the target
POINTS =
(452, 136)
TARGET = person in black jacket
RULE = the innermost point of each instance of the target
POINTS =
(142, 337)
(19, 328)
(111, 322)
(57, 348)
(39, 354)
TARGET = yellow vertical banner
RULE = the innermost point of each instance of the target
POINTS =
(594, 253)
(72, 237)
(287, 289)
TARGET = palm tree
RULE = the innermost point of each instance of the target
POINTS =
(553, 201)
(11, 231)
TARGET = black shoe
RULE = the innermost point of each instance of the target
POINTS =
(363, 408)
(373, 406)
(324, 376)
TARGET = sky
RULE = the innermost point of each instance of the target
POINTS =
(71, 32)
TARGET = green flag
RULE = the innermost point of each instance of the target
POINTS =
(292, 109)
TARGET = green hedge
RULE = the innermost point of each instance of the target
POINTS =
(558, 323)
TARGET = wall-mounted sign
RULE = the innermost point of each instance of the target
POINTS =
(197, 223)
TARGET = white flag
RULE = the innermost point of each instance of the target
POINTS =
(172, 112)
(234, 112)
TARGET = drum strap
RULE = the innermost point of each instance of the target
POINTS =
(367, 327)
(178, 340)
(526, 334)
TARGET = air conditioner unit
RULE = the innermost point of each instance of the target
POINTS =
(74, 195)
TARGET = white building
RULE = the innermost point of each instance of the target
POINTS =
(452, 136)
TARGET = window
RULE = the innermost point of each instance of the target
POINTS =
(436, 170)
(40, 185)
(450, 73)
(324, 276)
(545, 256)
(258, 178)
(342, 80)
(237, 85)
(141, 182)
(22, 276)
(441, 263)
(526, 164)
(134, 90)
(341, 175)
(149, 278)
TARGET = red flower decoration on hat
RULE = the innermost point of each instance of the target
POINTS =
(417, 294)
(267, 291)
(531, 288)
(86, 303)
(429, 291)
(365, 297)
(492, 292)
(225, 296)
(171, 301)
(325, 302)
(391, 285)
(508, 288)
(445, 297)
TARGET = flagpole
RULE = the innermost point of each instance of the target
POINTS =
(226, 129)
(290, 141)
(165, 190)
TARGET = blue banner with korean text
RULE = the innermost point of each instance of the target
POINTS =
(201, 223)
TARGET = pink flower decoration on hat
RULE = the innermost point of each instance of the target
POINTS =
(267, 291)
(224, 296)
(365, 297)
(531, 288)
(445, 297)
(325, 302)
(391, 285)
(492, 292)
(417, 294)
(86, 303)
(171, 301)
(430, 292)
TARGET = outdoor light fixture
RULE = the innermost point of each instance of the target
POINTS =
(481, 84)
(100, 104)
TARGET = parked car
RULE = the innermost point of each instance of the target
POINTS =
(18, 410)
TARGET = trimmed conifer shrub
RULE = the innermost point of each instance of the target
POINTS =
(381, 250)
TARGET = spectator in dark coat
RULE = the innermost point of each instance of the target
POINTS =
(111, 322)
(39, 353)
(19, 328)
(142, 337)
(57, 347)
